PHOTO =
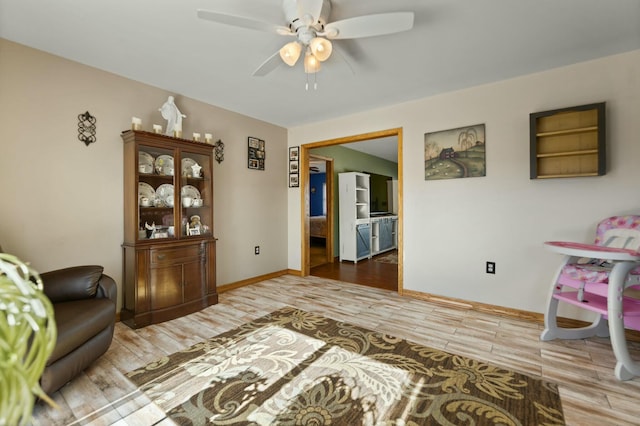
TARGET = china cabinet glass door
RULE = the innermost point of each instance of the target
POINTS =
(196, 198)
(156, 193)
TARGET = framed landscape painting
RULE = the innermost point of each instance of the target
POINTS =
(455, 153)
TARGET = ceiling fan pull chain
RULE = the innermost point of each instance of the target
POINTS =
(315, 82)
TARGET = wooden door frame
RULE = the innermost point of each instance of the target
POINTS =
(305, 201)
(329, 229)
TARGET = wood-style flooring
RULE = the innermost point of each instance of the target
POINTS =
(367, 272)
(583, 369)
(317, 252)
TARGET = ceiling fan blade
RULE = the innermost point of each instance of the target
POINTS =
(310, 7)
(269, 65)
(242, 22)
(369, 25)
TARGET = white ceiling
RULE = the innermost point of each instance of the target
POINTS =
(454, 44)
(386, 148)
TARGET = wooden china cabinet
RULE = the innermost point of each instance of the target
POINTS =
(169, 251)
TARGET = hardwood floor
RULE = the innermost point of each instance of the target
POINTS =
(583, 369)
(368, 272)
(317, 252)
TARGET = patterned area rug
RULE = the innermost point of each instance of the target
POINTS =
(297, 368)
(387, 258)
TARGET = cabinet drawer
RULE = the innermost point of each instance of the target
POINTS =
(175, 255)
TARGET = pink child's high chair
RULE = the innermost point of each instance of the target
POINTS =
(594, 277)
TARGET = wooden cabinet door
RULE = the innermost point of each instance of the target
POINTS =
(166, 290)
(193, 278)
(177, 275)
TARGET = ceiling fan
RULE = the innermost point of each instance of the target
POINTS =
(308, 21)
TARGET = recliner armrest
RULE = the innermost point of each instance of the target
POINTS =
(107, 288)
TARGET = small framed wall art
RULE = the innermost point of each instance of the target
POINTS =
(294, 153)
(294, 168)
(256, 153)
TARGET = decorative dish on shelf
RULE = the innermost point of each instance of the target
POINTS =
(164, 193)
(190, 191)
(164, 165)
(145, 162)
(146, 194)
(187, 167)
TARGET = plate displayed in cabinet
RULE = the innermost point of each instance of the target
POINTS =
(187, 164)
(146, 194)
(165, 194)
(145, 162)
(164, 165)
(190, 191)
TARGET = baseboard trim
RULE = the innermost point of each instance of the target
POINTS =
(249, 281)
(475, 306)
(501, 311)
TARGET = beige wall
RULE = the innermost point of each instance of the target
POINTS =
(452, 227)
(62, 201)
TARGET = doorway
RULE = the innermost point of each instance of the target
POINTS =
(306, 157)
(320, 210)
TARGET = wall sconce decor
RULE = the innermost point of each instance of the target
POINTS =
(86, 128)
(294, 154)
(219, 150)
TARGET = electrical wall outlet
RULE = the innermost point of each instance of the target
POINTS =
(491, 267)
(256, 249)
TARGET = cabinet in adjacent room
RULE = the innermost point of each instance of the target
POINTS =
(392, 196)
(355, 223)
(384, 234)
(169, 251)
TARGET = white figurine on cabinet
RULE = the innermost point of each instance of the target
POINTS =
(172, 114)
(150, 230)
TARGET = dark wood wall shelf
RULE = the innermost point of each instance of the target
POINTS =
(568, 142)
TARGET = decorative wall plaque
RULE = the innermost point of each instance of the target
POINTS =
(87, 128)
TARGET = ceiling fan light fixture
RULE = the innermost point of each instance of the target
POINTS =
(308, 21)
(290, 53)
(321, 48)
(311, 63)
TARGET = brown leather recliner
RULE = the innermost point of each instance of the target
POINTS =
(84, 302)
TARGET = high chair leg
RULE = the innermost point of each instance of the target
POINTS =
(598, 327)
(626, 368)
(551, 331)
